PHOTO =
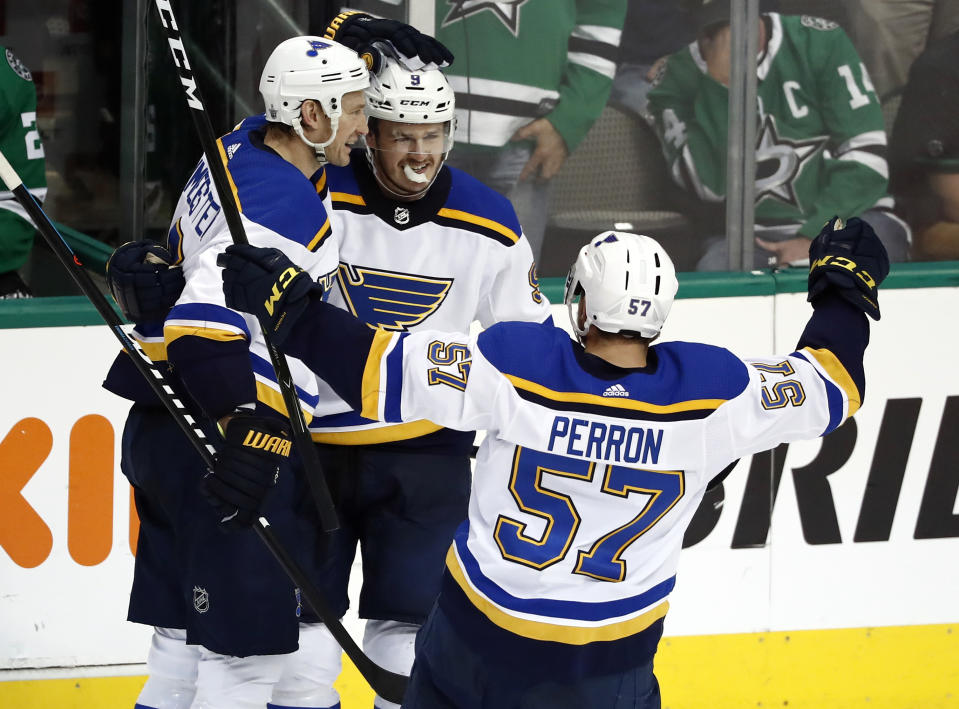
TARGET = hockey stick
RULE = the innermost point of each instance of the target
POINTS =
(212, 149)
(387, 684)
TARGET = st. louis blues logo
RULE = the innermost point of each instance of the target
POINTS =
(390, 299)
(507, 11)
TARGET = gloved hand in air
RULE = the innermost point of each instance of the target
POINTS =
(266, 284)
(144, 281)
(247, 466)
(850, 260)
(370, 37)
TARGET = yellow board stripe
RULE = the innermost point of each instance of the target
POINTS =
(480, 221)
(171, 333)
(380, 434)
(321, 183)
(538, 630)
(906, 667)
(229, 177)
(274, 399)
(828, 361)
(539, 389)
(346, 197)
(370, 388)
(320, 236)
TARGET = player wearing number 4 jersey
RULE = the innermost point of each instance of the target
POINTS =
(595, 461)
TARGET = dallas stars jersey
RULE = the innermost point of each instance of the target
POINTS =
(451, 257)
(280, 207)
(821, 143)
(522, 59)
(20, 143)
(590, 473)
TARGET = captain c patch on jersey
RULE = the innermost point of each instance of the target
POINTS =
(391, 300)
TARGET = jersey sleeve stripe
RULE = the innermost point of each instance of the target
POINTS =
(274, 399)
(202, 314)
(458, 215)
(374, 433)
(172, 333)
(320, 237)
(371, 387)
(394, 380)
(229, 177)
(839, 376)
(154, 348)
(174, 241)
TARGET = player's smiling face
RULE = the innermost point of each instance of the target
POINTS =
(408, 155)
(351, 125)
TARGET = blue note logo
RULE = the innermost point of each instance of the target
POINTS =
(390, 299)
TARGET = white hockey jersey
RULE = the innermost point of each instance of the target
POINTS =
(455, 256)
(589, 474)
(279, 208)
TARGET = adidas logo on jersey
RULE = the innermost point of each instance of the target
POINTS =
(231, 151)
(616, 390)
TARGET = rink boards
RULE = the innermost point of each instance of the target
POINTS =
(821, 576)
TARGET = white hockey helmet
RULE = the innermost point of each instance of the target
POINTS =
(397, 94)
(314, 68)
(421, 97)
(629, 282)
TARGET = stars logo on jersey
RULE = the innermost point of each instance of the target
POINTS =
(780, 161)
(817, 23)
(506, 11)
(390, 299)
(19, 68)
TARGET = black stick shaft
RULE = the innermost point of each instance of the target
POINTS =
(212, 150)
(388, 685)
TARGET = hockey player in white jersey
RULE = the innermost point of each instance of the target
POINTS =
(596, 458)
(421, 245)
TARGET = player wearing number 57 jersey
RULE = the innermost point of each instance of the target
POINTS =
(595, 461)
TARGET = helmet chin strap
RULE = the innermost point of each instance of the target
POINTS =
(318, 148)
(410, 174)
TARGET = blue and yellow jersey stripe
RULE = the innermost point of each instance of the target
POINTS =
(582, 622)
(621, 408)
(382, 386)
(842, 394)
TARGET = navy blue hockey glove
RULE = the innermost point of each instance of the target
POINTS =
(143, 280)
(266, 284)
(246, 468)
(366, 34)
(850, 260)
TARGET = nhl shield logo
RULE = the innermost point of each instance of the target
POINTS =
(401, 215)
(201, 599)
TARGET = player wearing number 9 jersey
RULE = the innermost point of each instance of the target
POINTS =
(20, 143)
(596, 459)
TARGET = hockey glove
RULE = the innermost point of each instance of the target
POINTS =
(850, 260)
(266, 284)
(246, 467)
(369, 36)
(143, 280)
